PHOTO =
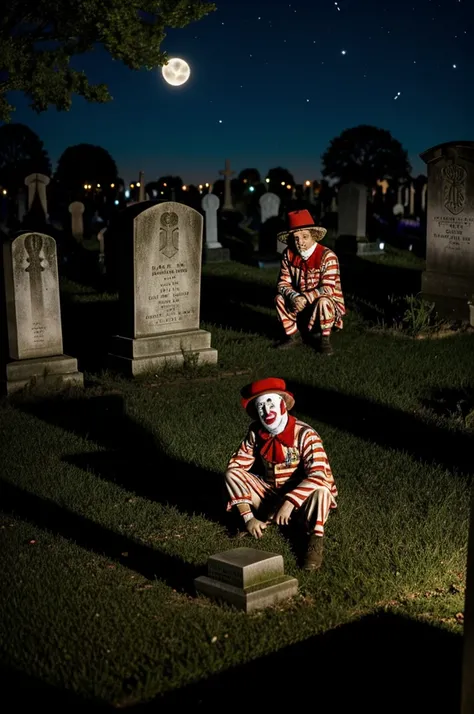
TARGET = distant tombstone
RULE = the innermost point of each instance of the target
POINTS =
(37, 185)
(141, 188)
(269, 206)
(76, 209)
(227, 173)
(352, 210)
(398, 210)
(159, 266)
(449, 275)
(100, 238)
(33, 314)
(423, 197)
(412, 200)
(210, 204)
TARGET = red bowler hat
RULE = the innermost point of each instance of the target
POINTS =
(271, 385)
(302, 221)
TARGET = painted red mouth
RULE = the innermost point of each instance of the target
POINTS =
(270, 418)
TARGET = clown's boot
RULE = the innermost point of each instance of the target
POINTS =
(314, 554)
(325, 346)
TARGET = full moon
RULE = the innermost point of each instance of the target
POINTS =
(176, 72)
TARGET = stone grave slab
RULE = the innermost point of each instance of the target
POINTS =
(247, 578)
(159, 291)
(35, 344)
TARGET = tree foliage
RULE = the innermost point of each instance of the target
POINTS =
(250, 176)
(365, 154)
(280, 178)
(21, 153)
(38, 39)
(86, 164)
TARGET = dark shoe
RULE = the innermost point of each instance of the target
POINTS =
(314, 554)
(287, 343)
(325, 346)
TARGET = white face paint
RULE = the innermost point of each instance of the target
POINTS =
(305, 243)
(269, 410)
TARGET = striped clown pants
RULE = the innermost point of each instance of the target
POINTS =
(321, 312)
(244, 487)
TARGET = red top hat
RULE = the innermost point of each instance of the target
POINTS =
(271, 385)
(299, 221)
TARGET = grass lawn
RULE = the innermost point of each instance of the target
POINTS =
(111, 503)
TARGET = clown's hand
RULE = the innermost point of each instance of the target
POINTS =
(256, 527)
(300, 303)
(283, 516)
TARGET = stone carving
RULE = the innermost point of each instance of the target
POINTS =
(454, 188)
(169, 234)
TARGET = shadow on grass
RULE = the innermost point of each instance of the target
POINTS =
(48, 515)
(133, 458)
(381, 663)
(386, 426)
(225, 301)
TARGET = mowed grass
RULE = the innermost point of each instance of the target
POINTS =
(112, 501)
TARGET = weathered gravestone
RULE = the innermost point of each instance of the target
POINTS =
(227, 173)
(269, 206)
(449, 275)
(76, 209)
(247, 578)
(214, 252)
(33, 313)
(352, 207)
(159, 290)
(37, 185)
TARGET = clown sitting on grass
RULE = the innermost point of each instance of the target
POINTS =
(296, 480)
(309, 283)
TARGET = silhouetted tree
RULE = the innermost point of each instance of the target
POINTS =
(21, 153)
(365, 154)
(86, 164)
(280, 178)
(166, 185)
(39, 39)
(250, 176)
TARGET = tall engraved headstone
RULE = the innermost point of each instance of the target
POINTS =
(449, 275)
(35, 344)
(159, 289)
(352, 205)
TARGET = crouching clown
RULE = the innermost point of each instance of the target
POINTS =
(309, 283)
(280, 471)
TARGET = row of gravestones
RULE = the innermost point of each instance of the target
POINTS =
(159, 273)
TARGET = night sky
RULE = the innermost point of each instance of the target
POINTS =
(273, 82)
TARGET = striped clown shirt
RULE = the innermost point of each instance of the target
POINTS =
(305, 469)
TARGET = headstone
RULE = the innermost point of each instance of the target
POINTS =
(214, 252)
(398, 210)
(449, 275)
(412, 200)
(334, 208)
(33, 315)
(159, 272)
(269, 206)
(22, 206)
(352, 210)
(100, 238)
(37, 185)
(210, 204)
(76, 209)
(467, 698)
(247, 578)
(423, 197)
(141, 188)
(227, 173)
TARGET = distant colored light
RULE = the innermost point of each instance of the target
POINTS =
(267, 180)
(282, 183)
(4, 191)
(86, 186)
(308, 183)
(185, 188)
(165, 184)
(138, 184)
(251, 188)
(116, 202)
(288, 185)
(200, 186)
(127, 193)
(245, 180)
(381, 246)
(98, 185)
(112, 185)
(207, 185)
(162, 192)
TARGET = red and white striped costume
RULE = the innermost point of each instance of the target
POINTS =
(304, 478)
(318, 280)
